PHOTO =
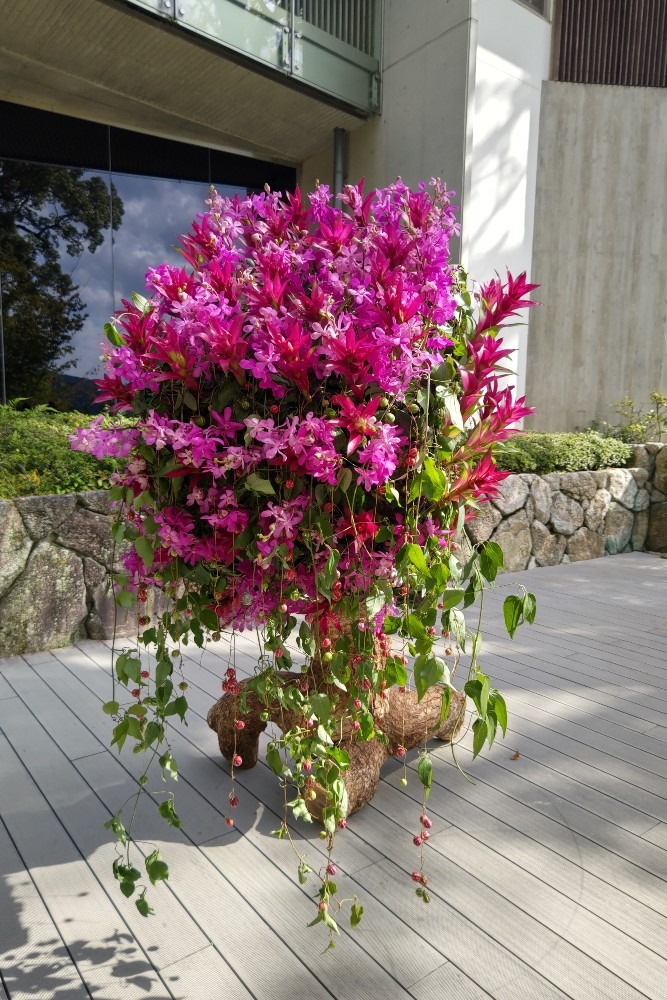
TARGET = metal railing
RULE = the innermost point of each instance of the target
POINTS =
(351, 21)
(331, 45)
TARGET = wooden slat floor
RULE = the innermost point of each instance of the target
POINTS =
(548, 873)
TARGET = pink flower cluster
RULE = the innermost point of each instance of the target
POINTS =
(278, 387)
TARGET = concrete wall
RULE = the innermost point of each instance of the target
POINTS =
(421, 132)
(600, 253)
(461, 101)
(511, 60)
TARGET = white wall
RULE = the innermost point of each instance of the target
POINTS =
(513, 47)
(421, 132)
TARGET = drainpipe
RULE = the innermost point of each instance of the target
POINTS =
(339, 161)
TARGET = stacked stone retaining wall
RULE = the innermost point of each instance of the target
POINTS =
(56, 557)
(56, 552)
(571, 516)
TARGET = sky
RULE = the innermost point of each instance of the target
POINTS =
(156, 213)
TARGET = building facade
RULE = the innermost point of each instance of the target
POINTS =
(519, 105)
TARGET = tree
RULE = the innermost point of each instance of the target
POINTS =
(45, 212)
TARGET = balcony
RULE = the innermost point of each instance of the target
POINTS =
(330, 45)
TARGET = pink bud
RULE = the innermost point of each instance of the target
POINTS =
(425, 821)
(357, 703)
(361, 625)
(356, 725)
(307, 765)
(400, 751)
(240, 724)
(331, 869)
(417, 841)
(238, 760)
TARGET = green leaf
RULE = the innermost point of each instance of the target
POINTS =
(451, 598)
(125, 598)
(259, 485)
(157, 869)
(356, 914)
(474, 689)
(321, 707)
(413, 626)
(345, 480)
(167, 811)
(116, 825)
(414, 554)
(427, 672)
(209, 619)
(529, 607)
(425, 772)
(457, 624)
(434, 481)
(113, 335)
(132, 667)
(367, 726)
(300, 810)
(324, 581)
(274, 760)
(127, 888)
(391, 625)
(177, 707)
(479, 734)
(500, 710)
(512, 610)
(491, 725)
(163, 670)
(144, 550)
(169, 765)
(484, 693)
(379, 596)
(154, 733)
(110, 708)
(140, 301)
(120, 733)
(446, 704)
(303, 871)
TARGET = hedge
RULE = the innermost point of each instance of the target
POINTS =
(36, 459)
(35, 456)
(542, 453)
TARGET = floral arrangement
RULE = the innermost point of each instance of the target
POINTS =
(317, 397)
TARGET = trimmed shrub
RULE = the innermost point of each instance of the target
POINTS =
(36, 458)
(542, 453)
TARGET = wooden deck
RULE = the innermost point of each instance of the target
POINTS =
(548, 874)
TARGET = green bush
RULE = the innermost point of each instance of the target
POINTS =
(541, 453)
(36, 458)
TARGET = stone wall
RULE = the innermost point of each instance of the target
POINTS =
(570, 516)
(56, 551)
(55, 559)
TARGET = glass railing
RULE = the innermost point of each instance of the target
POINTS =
(331, 45)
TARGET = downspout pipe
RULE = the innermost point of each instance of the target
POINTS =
(339, 161)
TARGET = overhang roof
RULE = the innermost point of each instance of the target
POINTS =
(105, 62)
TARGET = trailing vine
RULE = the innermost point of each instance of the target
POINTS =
(316, 398)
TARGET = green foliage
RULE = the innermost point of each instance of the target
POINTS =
(637, 425)
(542, 453)
(36, 458)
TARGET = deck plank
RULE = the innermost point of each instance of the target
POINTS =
(548, 876)
(95, 935)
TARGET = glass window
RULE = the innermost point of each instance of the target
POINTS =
(65, 265)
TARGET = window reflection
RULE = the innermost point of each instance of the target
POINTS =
(63, 274)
